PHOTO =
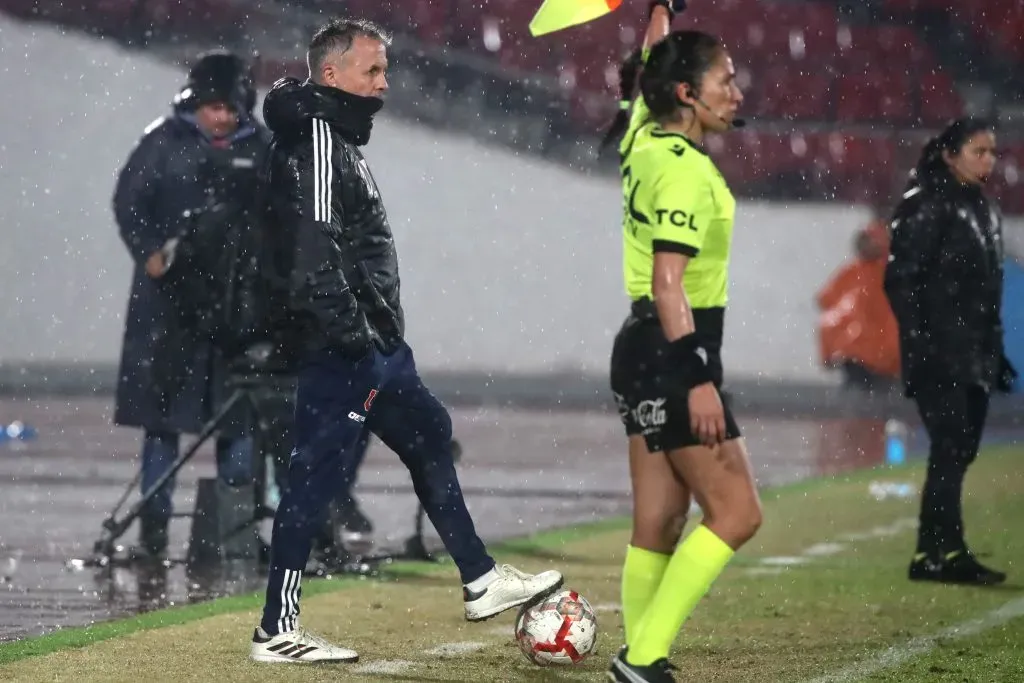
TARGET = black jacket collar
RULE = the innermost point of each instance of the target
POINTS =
(291, 104)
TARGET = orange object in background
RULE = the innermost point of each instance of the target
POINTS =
(856, 323)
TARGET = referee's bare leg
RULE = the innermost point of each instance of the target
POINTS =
(722, 482)
(661, 501)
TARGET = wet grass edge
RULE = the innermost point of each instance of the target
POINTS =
(549, 540)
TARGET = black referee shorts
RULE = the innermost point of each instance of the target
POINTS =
(651, 396)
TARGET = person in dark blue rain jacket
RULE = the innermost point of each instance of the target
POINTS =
(171, 376)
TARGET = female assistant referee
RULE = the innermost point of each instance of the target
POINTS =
(666, 365)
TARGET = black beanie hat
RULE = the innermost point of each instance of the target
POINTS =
(219, 76)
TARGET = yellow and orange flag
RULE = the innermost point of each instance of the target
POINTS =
(555, 15)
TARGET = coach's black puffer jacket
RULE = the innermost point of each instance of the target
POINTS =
(324, 208)
(944, 282)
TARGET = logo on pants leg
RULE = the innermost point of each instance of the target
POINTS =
(650, 414)
(356, 417)
(369, 400)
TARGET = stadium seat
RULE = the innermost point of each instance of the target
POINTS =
(738, 156)
(595, 57)
(874, 96)
(786, 91)
(795, 60)
(500, 29)
(801, 30)
(997, 23)
(894, 46)
(860, 166)
(939, 101)
(429, 22)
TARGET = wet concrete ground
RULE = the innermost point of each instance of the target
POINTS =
(522, 471)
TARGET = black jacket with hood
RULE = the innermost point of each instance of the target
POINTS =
(171, 375)
(327, 225)
(944, 281)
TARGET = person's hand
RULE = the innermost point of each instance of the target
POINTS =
(674, 7)
(156, 265)
(707, 416)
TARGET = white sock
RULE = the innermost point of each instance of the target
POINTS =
(484, 581)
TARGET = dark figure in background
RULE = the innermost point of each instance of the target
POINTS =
(944, 281)
(171, 374)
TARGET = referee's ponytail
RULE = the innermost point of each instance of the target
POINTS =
(680, 57)
(628, 72)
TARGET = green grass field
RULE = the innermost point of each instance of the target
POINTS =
(819, 595)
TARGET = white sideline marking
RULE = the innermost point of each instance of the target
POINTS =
(764, 571)
(453, 649)
(384, 667)
(607, 607)
(784, 561)
(915, 647)
(827, 548)
(824, 549)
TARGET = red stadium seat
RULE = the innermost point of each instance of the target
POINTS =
(861, 167)
(787, 92)
(995, 22)
(939, 101)
(874, 96)
(738, 156)
(801, 30)
(894, 46)
(795, 61)
(595, 57)
(500, 29)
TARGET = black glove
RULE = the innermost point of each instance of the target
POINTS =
(1007, 375)
(674, 7)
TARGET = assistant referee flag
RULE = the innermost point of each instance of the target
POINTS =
(555, 15)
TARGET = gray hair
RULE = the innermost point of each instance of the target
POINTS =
(337, 36)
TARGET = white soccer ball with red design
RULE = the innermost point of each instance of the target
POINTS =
(559, 630)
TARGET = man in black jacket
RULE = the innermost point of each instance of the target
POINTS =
(944, 281)
(357, 371)
(171, 377)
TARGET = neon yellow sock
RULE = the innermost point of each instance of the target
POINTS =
(694, 566)
(641, 575)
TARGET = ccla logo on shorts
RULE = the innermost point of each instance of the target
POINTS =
(650, 413)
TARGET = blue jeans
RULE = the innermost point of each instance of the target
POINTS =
(160, 450)
(337, 401)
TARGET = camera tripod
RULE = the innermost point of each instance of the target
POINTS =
(255, 393)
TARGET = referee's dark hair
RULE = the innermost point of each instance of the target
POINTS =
(680, 57)
(628, 72)
(951, 140)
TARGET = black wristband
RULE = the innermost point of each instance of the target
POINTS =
(691, 358)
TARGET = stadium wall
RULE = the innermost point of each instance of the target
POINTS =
(511, 266)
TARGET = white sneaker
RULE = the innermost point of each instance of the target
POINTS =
(297, 647)
(510, 588)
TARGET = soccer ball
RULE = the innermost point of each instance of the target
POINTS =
(559, 630)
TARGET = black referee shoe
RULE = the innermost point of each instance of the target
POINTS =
(957, 567)
(623, 672)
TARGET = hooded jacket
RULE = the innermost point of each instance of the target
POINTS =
(327, 223)
(166, 380)
(944, 281)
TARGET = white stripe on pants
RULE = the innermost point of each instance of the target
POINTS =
(289, 601)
